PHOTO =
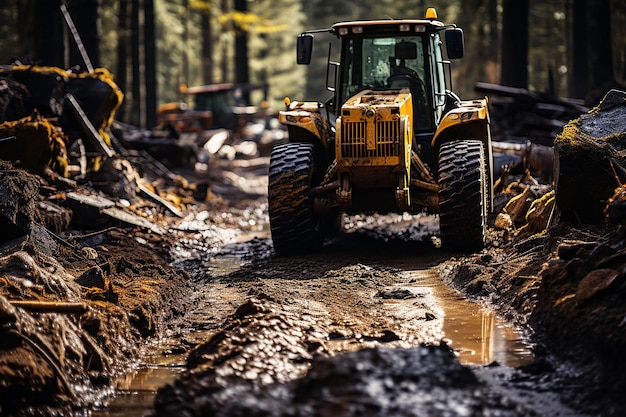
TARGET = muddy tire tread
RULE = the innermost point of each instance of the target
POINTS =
(462, 195)
(293, 223)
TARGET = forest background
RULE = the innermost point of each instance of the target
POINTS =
(561, 48)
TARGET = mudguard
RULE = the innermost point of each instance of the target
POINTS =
(468, 121)
(306, 123)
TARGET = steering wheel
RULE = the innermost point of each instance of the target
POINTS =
(415, 85)
(404, 80)
(413, 82)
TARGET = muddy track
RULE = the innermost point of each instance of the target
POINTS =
(353, 329)
(360, 328)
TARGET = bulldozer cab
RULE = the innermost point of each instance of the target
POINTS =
(389, 62)
(392, 55)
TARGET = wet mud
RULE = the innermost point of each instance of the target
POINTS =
(355, 329)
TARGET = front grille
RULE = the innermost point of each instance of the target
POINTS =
(354, 142)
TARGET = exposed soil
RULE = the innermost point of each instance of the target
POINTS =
(345, 332)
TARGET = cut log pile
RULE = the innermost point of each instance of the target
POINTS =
(523, 127)
(57, 125)
(518, 114)
(588, 161)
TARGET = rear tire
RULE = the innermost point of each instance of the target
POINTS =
(294, 169)
(462, 195)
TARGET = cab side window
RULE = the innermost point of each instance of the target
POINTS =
(438, 76)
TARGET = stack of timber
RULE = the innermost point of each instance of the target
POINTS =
(520, 115)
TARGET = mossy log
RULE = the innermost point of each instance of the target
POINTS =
(590, 160)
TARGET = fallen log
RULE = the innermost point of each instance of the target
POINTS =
(87, 127)
(588, 153)
(96, 211)
(524, 95)
(157, 199)
(523, 114)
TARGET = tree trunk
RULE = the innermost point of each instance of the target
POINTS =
(225, 55)
(48, 33)
(122, 52)
(136, 108)
(592, 55)
(150, 64)
(515, 43)
(86, 17)
(184, 79)
(600, 52)
(590, 160)
(494, 39)
(207, 48)
(242, 72)
(578, 81)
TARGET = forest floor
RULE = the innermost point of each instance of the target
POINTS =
(345, 332)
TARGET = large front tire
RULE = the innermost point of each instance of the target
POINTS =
(294, 169)
(463, 195)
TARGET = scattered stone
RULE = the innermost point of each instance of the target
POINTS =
(395, 294)
(93, 277)
(594, 282)
(503, 221)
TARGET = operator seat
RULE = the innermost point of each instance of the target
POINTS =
(403, 76)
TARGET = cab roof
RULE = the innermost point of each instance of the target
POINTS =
(359, 27)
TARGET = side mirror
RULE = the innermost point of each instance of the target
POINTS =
(304, 46)
(454, 43)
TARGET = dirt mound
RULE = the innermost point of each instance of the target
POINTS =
(582, 293)
(425, 380)
(74, 316)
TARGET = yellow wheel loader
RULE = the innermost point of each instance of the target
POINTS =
(393, 138)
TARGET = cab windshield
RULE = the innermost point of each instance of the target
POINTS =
(382, 63)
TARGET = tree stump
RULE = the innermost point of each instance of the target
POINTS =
(590, 160)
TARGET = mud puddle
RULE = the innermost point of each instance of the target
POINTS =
(476, 334)
(134, 392)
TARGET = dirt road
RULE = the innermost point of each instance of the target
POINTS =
(361, 328)
(358, 329)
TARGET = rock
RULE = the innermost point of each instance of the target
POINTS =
(594, 282)
(117, 177)
(396, 294)
(18, 190)
(93, 277)
(503, 221)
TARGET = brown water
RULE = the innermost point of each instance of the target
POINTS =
(477, 334)
(135, 391)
